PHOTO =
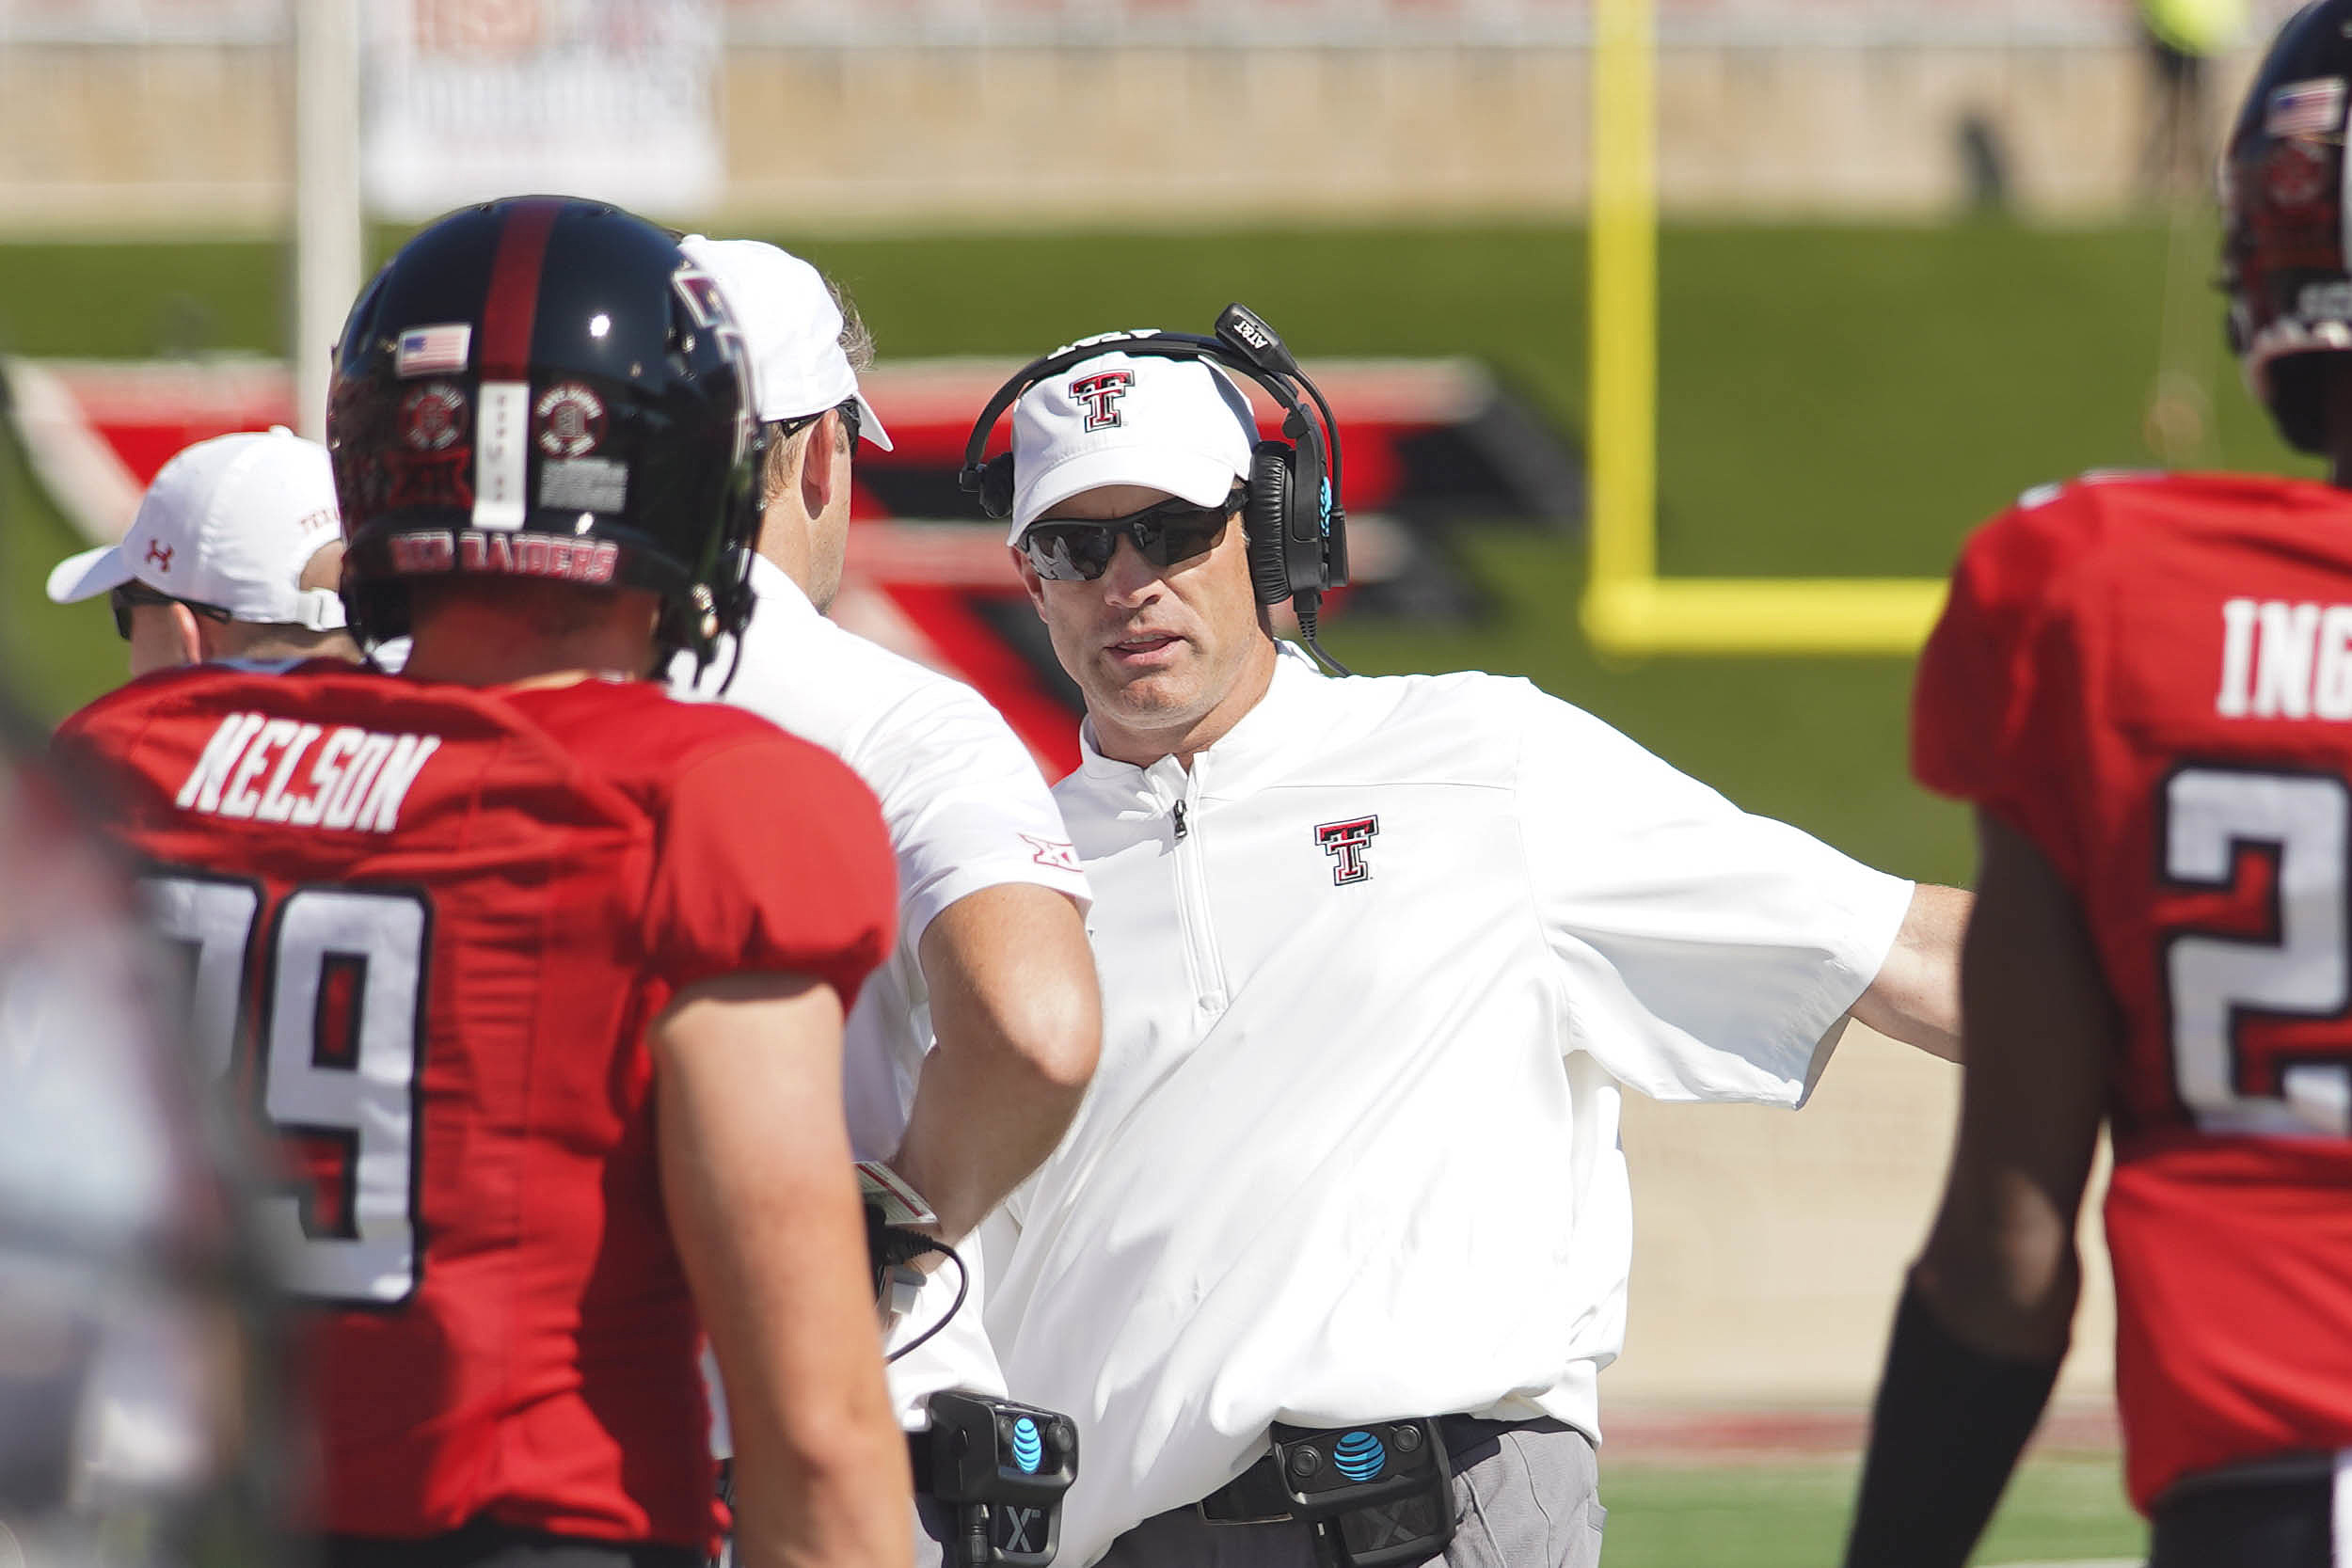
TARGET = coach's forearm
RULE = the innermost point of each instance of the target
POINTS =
(1916, 996)
(1018, 1019)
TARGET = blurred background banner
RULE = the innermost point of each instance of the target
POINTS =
(470, 99)
(1357, 23)
(849, 115)
(141, 21)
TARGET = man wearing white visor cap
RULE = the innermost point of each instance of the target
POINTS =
(968, 1051)
(1327, 1268)
(235, 553)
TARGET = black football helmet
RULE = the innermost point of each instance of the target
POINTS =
(546, 388)
(2285, 261)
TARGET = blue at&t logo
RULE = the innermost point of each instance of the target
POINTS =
(1359, 1456)
(1028, 1448)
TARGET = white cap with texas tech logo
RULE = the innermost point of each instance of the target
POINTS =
(1177, 425)
(230, 522)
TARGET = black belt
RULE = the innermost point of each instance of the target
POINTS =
(1258, 1495)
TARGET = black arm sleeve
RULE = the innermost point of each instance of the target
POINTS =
(1945, 1433)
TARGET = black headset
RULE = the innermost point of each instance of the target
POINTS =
(1292, 517)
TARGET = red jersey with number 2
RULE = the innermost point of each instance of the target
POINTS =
(425, 929)
(2151, 679)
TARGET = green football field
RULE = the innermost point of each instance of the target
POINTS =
(2061, 1509)
(1833, 400)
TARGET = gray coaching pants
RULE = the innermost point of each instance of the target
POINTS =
(1526, 1495)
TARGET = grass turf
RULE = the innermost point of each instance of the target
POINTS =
(2059, 1507)
(1834, 400)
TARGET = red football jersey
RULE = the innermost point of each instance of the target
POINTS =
(426, 928)
(2151, 679)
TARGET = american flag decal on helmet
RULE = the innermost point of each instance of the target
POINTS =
(2313, 108)
(432, 350)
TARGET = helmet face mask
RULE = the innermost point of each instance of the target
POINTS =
(548, 388)
(2285, 259)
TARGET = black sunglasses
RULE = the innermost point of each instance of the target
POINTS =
(1064, 549)
(135, 593)
(846, 408)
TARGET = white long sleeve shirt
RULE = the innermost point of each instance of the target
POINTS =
(966, 809)
(1375, 969)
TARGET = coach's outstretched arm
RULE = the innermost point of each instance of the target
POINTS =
(1916, 997)
(1018, 1022)
(773, 1241)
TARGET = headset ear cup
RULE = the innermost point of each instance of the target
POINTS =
(997, 485)
(1263, 517)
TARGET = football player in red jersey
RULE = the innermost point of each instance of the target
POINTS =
(526, 963)
(2143, 685)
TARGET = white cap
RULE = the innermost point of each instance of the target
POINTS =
(1177, 425)
(230, 522)
(791, 331)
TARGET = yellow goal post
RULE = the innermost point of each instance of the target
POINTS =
(1629, 608)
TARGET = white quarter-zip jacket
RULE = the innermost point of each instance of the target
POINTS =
(1375, 972)
(966, 809)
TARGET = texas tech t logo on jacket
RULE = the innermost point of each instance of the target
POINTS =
(1344, 843)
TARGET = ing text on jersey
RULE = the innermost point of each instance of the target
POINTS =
(2282, 660)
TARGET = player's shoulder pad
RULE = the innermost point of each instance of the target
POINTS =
(2055, 528)
(682, 729)
(2040, 496)
(2085, 509)
(683, 733)
(640, 736)
(2052, 528)
(2123, 491)
(183, 686)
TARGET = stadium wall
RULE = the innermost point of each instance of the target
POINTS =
(124, 139)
